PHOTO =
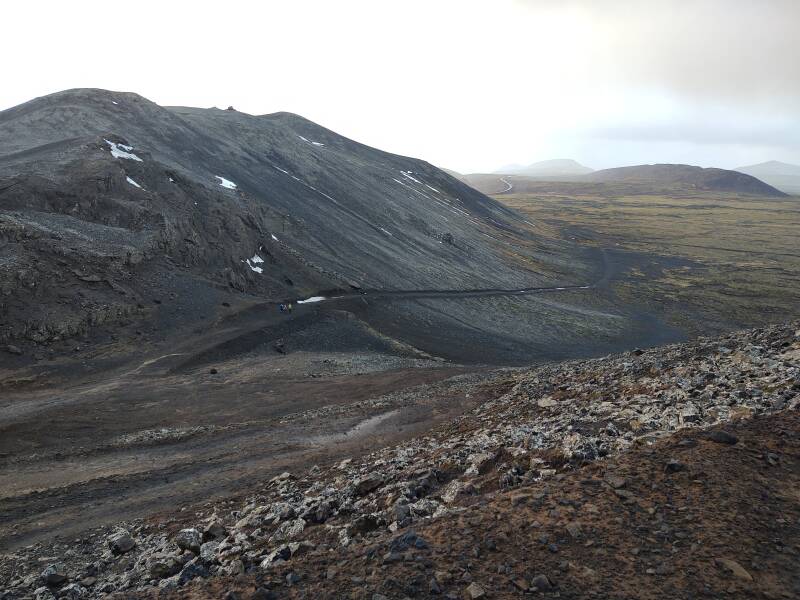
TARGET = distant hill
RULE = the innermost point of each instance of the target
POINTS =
(636, 179)
(778, 174)
(699, 178)
(548, 168)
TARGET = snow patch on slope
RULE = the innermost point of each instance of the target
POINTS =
(122, 151)
(310, 141)
(408, 175)
(226, 183)
(132, 182)
(253, 263)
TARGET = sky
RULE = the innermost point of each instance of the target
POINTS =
(467, 85)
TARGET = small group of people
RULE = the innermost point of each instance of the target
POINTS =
(285, 307)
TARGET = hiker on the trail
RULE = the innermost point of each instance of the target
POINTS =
(282, 307)
(290, 308)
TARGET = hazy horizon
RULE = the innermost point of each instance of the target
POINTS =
(471, 86)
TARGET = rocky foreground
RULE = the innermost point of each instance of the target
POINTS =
(671, 472)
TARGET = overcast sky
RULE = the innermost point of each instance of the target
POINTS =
(467, 85)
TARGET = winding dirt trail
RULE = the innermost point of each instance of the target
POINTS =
(453, 294)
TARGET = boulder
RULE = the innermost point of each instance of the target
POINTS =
(300, 548)
(72, 591)
(368, 483)
(281, 553)
(400, 512)
(479, 463)
(233, 568)
(541, 583)
(574, 529)
(474, 592)
(689, 413)
(214, 531)
(189, 539)
(161, 566)
(406, 541)
(722, 437)
(120, 543)
(43, 593)
(364, 524)
(53, 575)
(674, 466)
(426, 507)
(208, 552)
(319, 512)
(289, 530)
(192, 570)
(264, 594)
(456, 488)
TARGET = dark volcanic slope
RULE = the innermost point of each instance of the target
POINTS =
(720, 180)
(109, 202)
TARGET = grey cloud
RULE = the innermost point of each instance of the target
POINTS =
(783, 132)
(733, 51)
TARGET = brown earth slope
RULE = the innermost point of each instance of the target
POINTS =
(687, 518)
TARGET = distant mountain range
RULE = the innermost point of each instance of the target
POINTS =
(547, 168)
(784, 176)
(646, 178)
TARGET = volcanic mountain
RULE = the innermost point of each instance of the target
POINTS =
(115, 211)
